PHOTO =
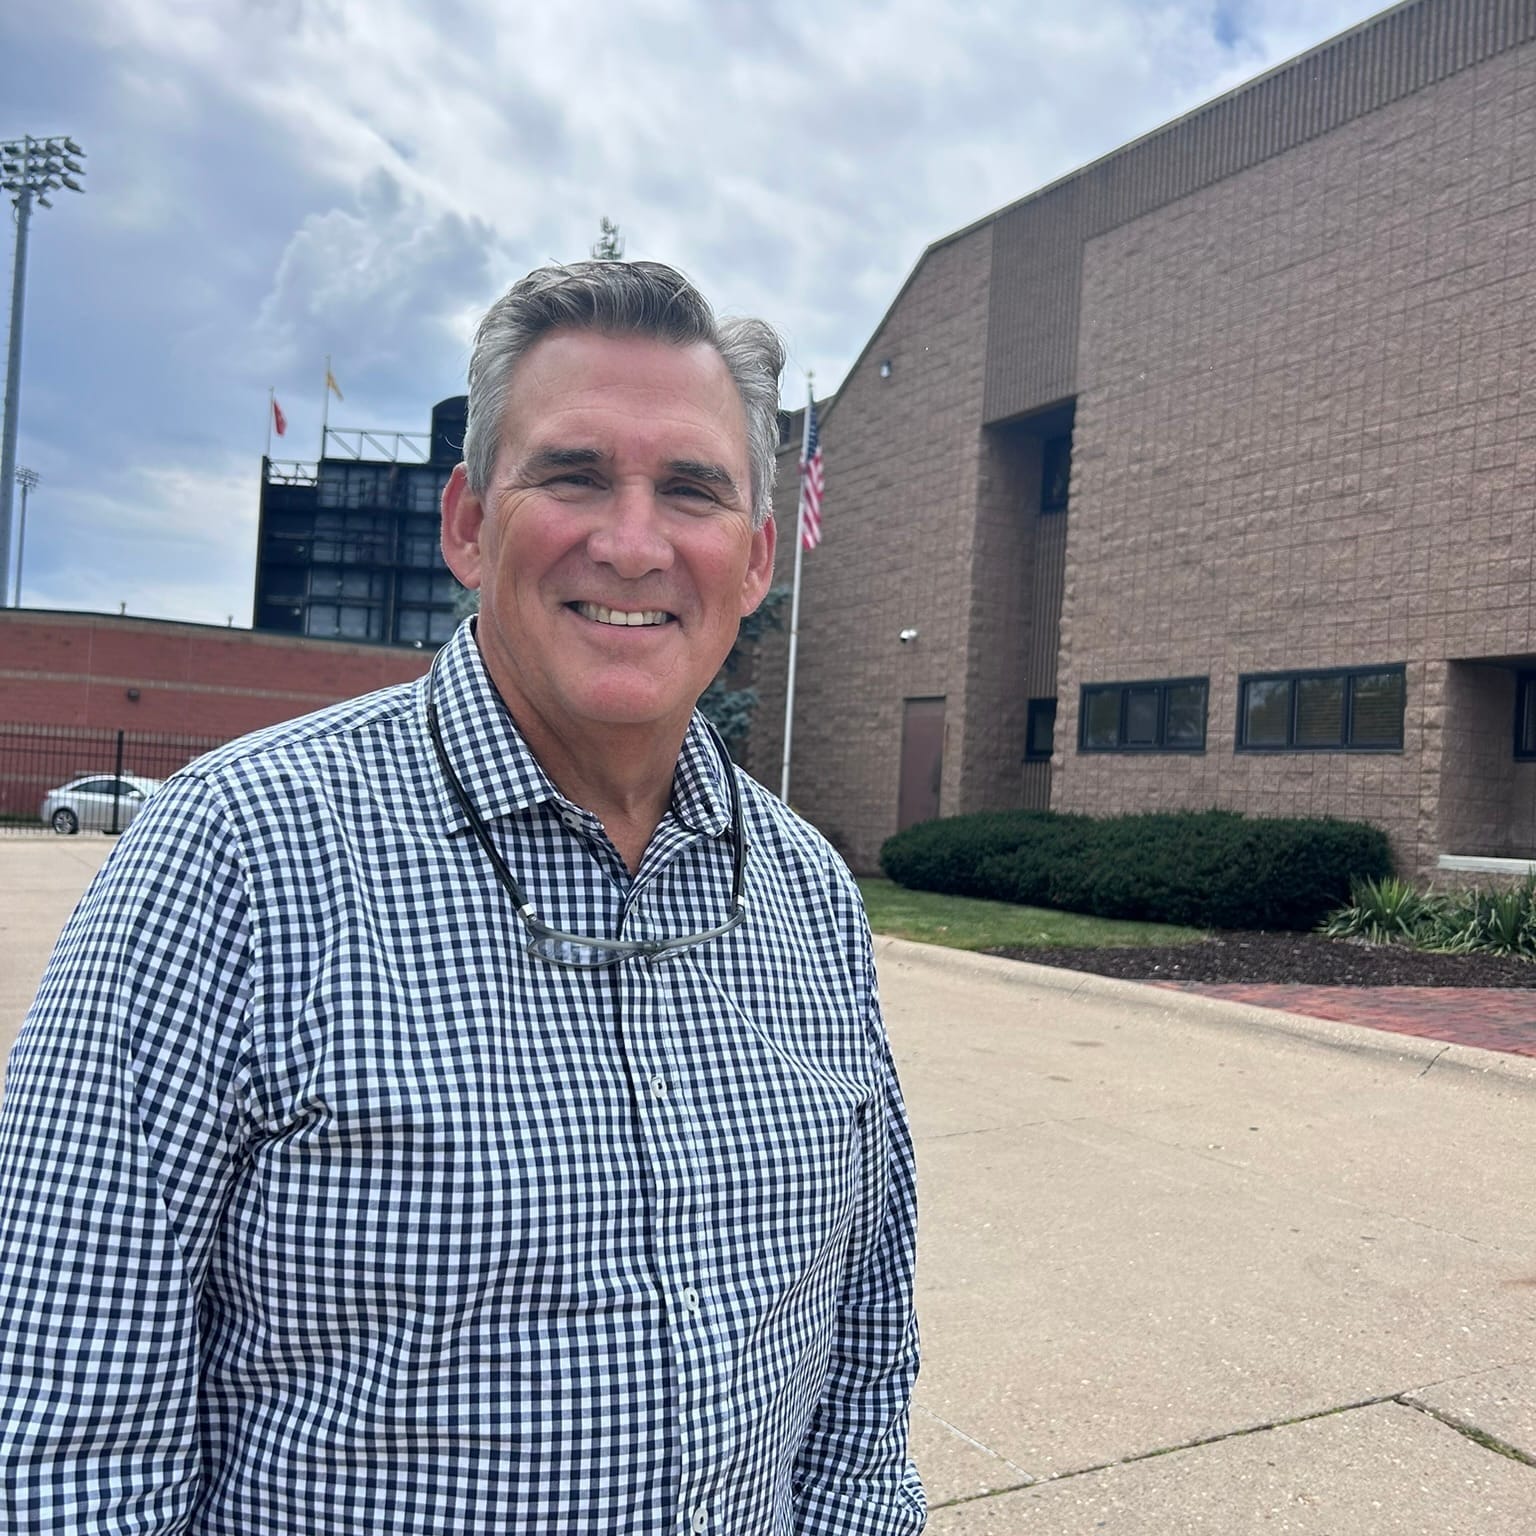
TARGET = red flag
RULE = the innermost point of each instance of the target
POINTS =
(279, 421)
(812, 484)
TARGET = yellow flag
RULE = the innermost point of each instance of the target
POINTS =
(331, 384)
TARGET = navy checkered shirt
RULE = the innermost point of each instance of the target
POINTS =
(325, 1208)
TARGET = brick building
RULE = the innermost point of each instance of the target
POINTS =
(88, 693)
(96, 672)
(1282, 343)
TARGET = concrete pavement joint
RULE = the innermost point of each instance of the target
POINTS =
(1470, 1431)
(971, 1440)
(980, 1130)
(1169, 1450)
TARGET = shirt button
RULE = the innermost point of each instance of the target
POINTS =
(691, 1300)
(700, 1519)
(571, 819)
(659, 1086)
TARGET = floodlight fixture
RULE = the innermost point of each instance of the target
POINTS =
(29, 169)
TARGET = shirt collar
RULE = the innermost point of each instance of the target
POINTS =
(497, 768)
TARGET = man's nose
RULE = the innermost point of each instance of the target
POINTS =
(631, 536)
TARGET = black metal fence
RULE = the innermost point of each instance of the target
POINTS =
(78, 779)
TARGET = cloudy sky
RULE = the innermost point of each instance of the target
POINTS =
(272, 181)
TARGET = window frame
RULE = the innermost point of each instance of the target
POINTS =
(1055, 455)
(1036, 708)
(1160, 746)
(1525, 709)
(1293, 677)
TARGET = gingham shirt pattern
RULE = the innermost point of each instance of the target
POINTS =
(325, 1208)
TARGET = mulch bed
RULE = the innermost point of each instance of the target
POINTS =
(1308, 959)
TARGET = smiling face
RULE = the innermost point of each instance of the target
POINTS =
(613, 549)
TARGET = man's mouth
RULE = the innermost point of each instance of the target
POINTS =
(624, 618)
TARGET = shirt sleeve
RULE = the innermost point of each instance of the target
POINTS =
(119, 1138)
(853, 1475)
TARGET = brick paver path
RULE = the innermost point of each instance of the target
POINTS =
(1495, 1018)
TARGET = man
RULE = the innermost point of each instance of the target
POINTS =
(467, 1109)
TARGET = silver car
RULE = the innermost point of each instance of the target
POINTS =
(89, 802)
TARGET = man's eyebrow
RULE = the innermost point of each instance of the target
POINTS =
(542, 460)
(705, 472)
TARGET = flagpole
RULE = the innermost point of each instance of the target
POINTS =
(794, 602)
(325, 408)
(271, 401)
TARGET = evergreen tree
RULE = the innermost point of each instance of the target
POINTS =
(728, 709)
(610, 243)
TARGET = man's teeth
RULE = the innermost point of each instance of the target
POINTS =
(600, 615)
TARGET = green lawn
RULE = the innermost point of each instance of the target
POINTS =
(963, 923)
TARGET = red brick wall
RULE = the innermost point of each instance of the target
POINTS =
(76, 669)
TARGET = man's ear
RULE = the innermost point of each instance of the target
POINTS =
(759, 577)
(463, 518)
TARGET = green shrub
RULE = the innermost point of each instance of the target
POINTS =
(1213, 869)
(956, 855)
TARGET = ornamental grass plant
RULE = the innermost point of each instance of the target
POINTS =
(1480, 920)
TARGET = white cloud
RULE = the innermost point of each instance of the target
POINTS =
(199, 524)
(275, 180)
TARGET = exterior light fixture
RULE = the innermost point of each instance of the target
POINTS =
(907, 636)
(885, 368)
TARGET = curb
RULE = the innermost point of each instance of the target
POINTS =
(1355, 1039)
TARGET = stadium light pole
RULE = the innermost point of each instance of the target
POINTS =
(28, 480)
(29, 168)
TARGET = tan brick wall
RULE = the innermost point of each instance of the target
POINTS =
(1302, 442)
(903, 459)
(1487, 799)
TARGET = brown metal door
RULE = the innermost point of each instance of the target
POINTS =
(922, 761)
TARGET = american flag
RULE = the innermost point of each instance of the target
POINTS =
(811, 483)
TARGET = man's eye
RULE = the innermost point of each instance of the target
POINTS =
(688, 489)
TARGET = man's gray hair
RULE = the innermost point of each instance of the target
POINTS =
(621, 298)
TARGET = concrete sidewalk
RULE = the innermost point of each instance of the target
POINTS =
(1188, 1266)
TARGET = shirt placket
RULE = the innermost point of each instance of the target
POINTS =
(671, 1129)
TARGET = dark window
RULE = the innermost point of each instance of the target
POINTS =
(1101, 719)
(1144, 717)
(1056, 473)
(1525, 715)
(1354, 709)
(1184, 716)
(1319, 711)
(1040, 740)
(1142, 708)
